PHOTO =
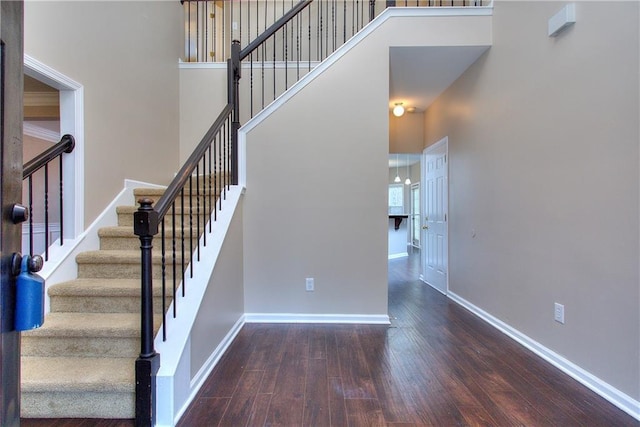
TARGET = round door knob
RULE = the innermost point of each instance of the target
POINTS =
(425, 227)
(19, 213)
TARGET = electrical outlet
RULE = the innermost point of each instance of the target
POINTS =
(309, 284)
(558, 313)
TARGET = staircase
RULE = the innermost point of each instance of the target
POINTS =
(80, 363)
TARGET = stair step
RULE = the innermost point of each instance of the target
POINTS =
(205, 192)
(125, 215)
(76, 387)
(102, 296)
(122, 237)
(117, 264)
(93, 335)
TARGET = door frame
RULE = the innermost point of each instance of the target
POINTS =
(444, 142)
(71, 122)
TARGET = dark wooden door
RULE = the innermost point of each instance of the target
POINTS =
(11, 90)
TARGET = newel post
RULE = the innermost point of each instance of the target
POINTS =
(145, 226)
(234, 99)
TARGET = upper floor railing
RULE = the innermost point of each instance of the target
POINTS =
(212, 25)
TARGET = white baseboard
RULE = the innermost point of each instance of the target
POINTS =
(374, 319)
(201, 376)
(400, 255)
(610, 393)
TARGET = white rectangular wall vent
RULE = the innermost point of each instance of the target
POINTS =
(562, 20)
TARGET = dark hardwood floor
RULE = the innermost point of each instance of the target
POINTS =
(437, 365)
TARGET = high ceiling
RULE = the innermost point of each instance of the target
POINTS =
(419, 74)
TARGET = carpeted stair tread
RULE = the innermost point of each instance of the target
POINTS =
(89, 325)
(127, 231)
(78, 374)
(113, 256)
(100, 288)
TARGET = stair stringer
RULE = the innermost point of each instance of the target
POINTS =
(210, 315)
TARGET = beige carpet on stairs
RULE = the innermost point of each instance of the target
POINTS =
(80, 363)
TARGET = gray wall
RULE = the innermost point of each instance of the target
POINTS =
(544, 167)
(223, 302)
(316, 195)
(125, 55)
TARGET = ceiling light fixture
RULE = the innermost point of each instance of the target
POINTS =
(398, 110)
(397, 179)
(408, 180)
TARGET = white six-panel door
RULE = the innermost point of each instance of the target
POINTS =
(434, 216)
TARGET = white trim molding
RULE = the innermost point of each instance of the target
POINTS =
(371, 319)
(607, 391)
(71, 122)
(35, 131)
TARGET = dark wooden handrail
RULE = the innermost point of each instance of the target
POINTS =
(66, 145)
(173, 190)
(274, 27)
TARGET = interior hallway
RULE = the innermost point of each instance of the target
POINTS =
(437, 365)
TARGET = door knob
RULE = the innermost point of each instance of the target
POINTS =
(19, 213)
(425, 227)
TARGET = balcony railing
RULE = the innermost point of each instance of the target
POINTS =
(211, 26)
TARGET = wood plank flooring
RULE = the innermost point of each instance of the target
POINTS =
(437, 365)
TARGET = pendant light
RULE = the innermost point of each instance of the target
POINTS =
(408, 180)
(397, 179)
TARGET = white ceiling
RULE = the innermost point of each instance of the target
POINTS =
(419, 74)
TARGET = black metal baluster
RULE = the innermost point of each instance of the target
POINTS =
(205, 23)
(46, 211)
(205, 216)
(215, 180)
(333, 26)
(210, 195)
(164, 280)
(262, 68)
(191, 226)
(224, 33)
(309, 33)
(286, 59)
(298, 47)
(31, 216)
(173, 244)
(320, 28)
(182, 237)
(344, 21)
(197, 210)
(61, 201)
(353, 19)
(189, 31)
(223, 168)
(214, 29)
(198, 41)
(274, 68)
